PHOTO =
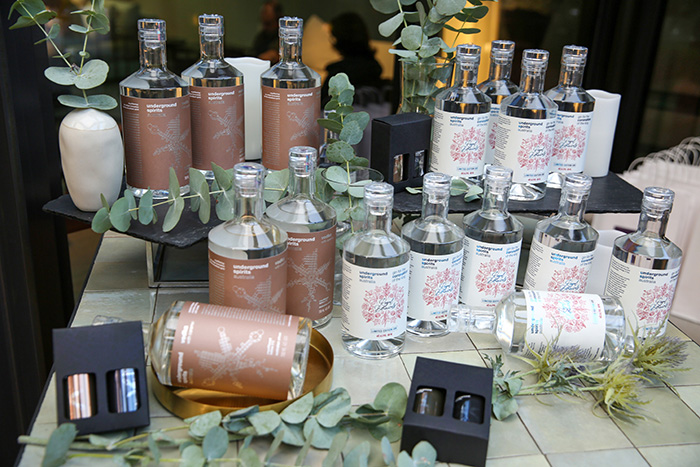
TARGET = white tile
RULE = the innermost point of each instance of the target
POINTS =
(676, 456)
(519, 461)
(509, 438)
(47, 408)
(691, 396)
(448, 342)
(484, 341)
(331, 332)
(129, 305)
(692, 362)
(623, 457)
(364, 378)
(117, 276)
(122, 250)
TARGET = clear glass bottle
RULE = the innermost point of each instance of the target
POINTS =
(526, 126)
(497, 87)
(645, 265)
(461, 120)
(291, 99)
(248, 255)
(311, 227)
(436, 259)
(217, 102)
(228, 349)
(155, 118)
(562, 247)
(491, 244)
(375, 281)
(574, 116)
(594, 324)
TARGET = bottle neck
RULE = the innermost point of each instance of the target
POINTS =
(290, 49)
(575, 208)
(465, 76)
(498, 72)
(495, 199)
(532, 80)
(248, 207)
(465, 319)
(434, 205)
(571, 76)
(152, 54)
(653, 222)
(378, 218)
(301, 184)
(211, 47)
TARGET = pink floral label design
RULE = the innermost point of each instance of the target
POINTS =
(535, 152)
(568, 311)
(441, 288)
(492, 135)
(384, 304)
(569, 143)
(496, 277)
(468, 146)
(573, 279)
(655, 303)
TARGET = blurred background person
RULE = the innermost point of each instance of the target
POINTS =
(266, 42)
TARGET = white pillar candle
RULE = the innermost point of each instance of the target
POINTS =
(602, 133)
(601, 261)
(252, 68)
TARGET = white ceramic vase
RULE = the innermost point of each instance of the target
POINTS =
(92, 156)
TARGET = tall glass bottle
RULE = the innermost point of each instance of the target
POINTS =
(574, 116)
(375, 281)
(216, 100)
(526, 125)
(497, 87)
(155, 118)
(461, 120)
(436, 260)
(310, 226)
(491, 244)
(528, 318)
(248, 255)
(562, 247)
(645, 265)
(291, 99)
(228, 349)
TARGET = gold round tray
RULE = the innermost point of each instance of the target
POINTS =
(188, 402)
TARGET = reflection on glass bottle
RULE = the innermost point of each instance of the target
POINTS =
(155, 118)
(216, 99)
(645, 265)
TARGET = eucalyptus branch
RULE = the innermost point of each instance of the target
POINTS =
(48, 37)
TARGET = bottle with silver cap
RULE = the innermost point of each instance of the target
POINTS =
(530, 320)
(562, 247)
(311, 226)
(248, 254)
(436, 259)
(645, 265)
(291, 99)
(574, 116)
(491, 244)
(216, 100)
(375, 281)
(461, 120)
(526, 126)
(497, 87)
(155, 110)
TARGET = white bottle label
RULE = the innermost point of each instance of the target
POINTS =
(573, 320)
(434, 285)
(375, 301)
(525, 145)
(570, 141)
(488, 272)
(491, 133)
(646, 294)
(458, 143)
(556, 270)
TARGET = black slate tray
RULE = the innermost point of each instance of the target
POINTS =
(609, 194)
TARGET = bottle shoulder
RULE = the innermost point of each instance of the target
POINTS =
(497, 90)
(571, 98)
(153, 78)
(637, 247)
(300, 210)
(376, 244)
(463, 95)
(481, 224)
(536, 105)
(434, 229)
(247, 234)
(212, 70)
(283, 74)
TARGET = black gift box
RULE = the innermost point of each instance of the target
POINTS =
(401, 147)
(99, 367)
(442, 395)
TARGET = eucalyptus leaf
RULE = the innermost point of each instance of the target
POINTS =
(337, 177)
(357, 189)
(196, 179)
(153, 447)
(391, 429)
(387, 452)
(436, 18)
(432, 28)
(361, 118)
(359, 162)
(241, 413)
(276, 185)
(70, 100)
(424, 454)
(344, 109)
(215, 443)
(331, 125)
(449, 7)
(322, 436)
(392, 399)
(173, 185)
(413, 190)
(503, 406)
(98, 6)
(458, 186)
(60, 75)
(384, 6)
(339, 83)
(131, 200)
(101, 223)
(92, 75)
(84, 54)
(331, 104)
(78, 28)
(45, 16)
(340, 151)
(336, 448)
(412, 37)
(199, 425)
(249, 458)
(462, 30)
(224, 205)
(192, 456)
(404, 460)
(274, 446)
(388, 27)
(265, 422)
(100, 102)
(27, 7)
(119, 215)
(324, 192)
(223, 178)
(332, 412)
(100, 23)
(422, 16)
(172, 216)
(351, 133)
(403, 53)
(408, 2)
(358, 211)
(297, 411)
(345, 98)
(104, 202)
(205, 203)
(107, 439)
(293, 434)
(23, 22)
(341, 206)
(238, 426)
(146, 208)
(430, 47)
(58, 445)
(358, 456)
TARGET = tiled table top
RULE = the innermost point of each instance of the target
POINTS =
(547, 431)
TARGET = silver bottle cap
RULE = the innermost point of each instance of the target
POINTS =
(248, 179)
(576, 186)
(502, 52)
(379, 195)
(535, 59)
(211, 25)
(574, 55)
(498, 177)
(468, 55)
(436, 186)
(291, 26)
(151, 29)
(124, 394)
(657, 199)
(302, 159)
